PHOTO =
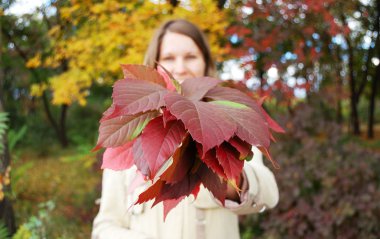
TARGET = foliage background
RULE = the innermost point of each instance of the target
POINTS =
(316, 62)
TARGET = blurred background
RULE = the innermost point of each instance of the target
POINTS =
(316, 62)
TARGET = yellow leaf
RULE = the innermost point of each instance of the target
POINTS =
(70, 87)
(34, 62)
(37, 90)
(113, 32)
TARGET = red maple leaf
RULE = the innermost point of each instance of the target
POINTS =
(119, 158)
(213, 182)
(211, 161)
(207, 124)
(195, 133)
(242, 147)
(228, 158)
(121, 129)
(131, 96)
(183, 161)
(159, 143)
(141, 72)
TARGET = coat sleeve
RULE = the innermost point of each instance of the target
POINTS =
(261, 188)
(112, 220)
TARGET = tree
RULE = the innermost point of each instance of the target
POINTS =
(318, 40)
(359, 58)
(376, 80)
(90, 39)
(280, 34)
(24, 37)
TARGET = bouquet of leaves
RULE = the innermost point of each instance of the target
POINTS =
(180, 136)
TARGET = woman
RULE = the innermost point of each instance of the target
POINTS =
(181, 48)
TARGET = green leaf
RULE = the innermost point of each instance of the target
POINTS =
(139, 128)
(16, 136)
(4, 231)
(230, 104)
(3, 128)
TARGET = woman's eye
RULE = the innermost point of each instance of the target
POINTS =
(191, 57)
(168, 58)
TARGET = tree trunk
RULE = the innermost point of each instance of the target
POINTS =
(48, 113)
(374, 88)
(221, 4)
(62, 120)
(339, 89)
(59, 129)
(262, 81)
(355, 123)
(376, 79)
(63, 135)
(356, 88)
(339, 115)
(354, 98)
(174, 3)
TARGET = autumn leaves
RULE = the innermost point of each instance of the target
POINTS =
(207, 130)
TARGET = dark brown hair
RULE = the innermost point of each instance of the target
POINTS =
(185, 28)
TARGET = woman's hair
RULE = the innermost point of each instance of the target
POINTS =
(185, 28)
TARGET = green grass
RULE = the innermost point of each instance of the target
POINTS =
(69, 179)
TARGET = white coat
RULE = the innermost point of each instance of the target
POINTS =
(203, 218)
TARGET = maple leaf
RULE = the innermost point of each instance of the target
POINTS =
(151, 192)
(161, 191)
(250, 125)
(271, 123)
(224, 93)
(200, 134)
(211, 161)
(267, 154)
(171, 83)
(118, 158)
(213, 183)
(234, 95)
(139, 159)
(228, 158)
(244, 148)
(183, 161)
(170, 204)
(196, 88)
(208, 125)
(131, 96)
(108, 112)
(159, 143)
(141, 72)
(167, 116)
(176, 190)
(117, 131)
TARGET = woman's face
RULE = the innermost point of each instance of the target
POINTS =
(181, 56)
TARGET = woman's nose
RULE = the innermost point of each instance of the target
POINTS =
(180, 67)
